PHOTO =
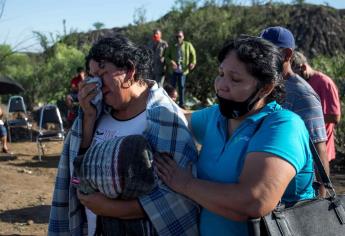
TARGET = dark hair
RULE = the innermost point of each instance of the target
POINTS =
(169, 89)
(156, 31)
(80, 69)
(179, 31)
(263, 61)
(87, 65)
(123, 53)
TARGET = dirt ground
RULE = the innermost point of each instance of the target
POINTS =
(26, 187)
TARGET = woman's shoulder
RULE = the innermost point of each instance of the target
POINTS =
(201, 119)
(210, 109)
(286, 116)
(210, 112)
(161, 107)
(158, 98)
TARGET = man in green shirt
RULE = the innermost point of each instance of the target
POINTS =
(180, 59)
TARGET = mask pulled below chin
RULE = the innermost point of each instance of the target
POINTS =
(232, 110)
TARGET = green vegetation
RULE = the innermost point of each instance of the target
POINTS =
(98, 25)
(207, 24)
(45, 77)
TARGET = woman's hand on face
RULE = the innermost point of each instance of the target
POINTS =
(87, 91)
(175, 177)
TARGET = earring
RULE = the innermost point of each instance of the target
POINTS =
(127, 84)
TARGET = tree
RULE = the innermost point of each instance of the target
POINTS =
(64, 27)
(183, 5)
(139, 15)
(44, 78)
(5, 51)
(20, 67)
(298, 2)
(18, 46)
(98, 25)
(258, 2)
(42, 39)
(57, 70)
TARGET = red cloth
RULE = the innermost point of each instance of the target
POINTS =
(71, 115)
(329, 98)
(76, 80)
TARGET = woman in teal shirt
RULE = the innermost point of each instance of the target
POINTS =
(254, 153)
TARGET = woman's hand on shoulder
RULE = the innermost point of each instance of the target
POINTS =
(176, 177)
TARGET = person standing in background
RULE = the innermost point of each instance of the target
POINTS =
(300, 96)
(3, 134)
(72, 97)
(158, 47)
(328, 93)
(180, 59)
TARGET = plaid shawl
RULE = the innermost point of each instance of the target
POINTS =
(119, 167)
(169, 212)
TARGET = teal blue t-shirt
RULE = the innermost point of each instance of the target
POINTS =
(221, 159)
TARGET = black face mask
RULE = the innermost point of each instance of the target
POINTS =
(231, 109)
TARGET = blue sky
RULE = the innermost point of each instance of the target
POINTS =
(21, 17)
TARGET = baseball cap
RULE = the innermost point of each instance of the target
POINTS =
(279, 36)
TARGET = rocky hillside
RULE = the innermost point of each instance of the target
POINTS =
(317, 29)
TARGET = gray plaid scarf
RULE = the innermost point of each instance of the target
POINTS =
(118, 168)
